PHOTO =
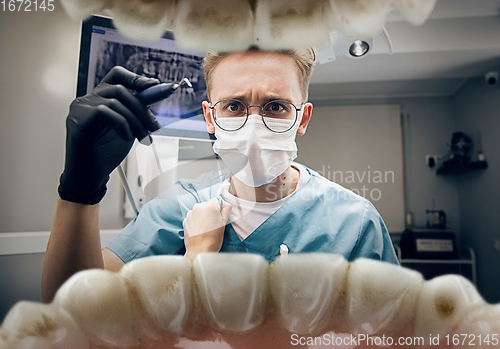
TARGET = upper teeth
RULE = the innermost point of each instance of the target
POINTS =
(234, 25)
(308, 293)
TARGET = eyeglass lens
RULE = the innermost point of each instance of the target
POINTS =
(278, 116)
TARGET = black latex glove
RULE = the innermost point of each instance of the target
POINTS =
(101, 127)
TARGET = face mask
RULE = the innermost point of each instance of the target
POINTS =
(254, 154)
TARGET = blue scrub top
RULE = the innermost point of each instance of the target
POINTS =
(322, 216)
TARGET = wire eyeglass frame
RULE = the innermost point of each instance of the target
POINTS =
(262, 113)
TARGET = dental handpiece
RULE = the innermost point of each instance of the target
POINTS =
(156, 93)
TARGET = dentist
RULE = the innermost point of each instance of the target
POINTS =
(262, 204)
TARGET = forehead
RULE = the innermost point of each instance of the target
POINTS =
(254, 75)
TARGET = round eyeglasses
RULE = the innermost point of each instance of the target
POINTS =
(278, 116)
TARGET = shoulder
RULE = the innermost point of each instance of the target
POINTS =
(334, 191)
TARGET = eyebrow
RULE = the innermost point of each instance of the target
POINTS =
(270, 97)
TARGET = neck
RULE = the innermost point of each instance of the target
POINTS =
(280, 187)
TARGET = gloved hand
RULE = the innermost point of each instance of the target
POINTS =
(204, 227)
(101, 127)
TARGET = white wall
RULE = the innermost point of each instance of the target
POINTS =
(428, 125)
(360, 148)
(38, 65)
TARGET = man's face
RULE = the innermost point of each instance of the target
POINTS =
(255, 78)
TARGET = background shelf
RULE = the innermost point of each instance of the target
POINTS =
(462, 168)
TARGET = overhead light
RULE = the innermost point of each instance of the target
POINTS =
(359, 48)
(356, 48)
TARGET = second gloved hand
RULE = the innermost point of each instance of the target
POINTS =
(204, 227)
(101, 127)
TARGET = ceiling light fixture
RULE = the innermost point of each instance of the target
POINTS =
(352, 48)
(359, 48)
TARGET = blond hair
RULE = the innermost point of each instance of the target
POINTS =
(303, 58)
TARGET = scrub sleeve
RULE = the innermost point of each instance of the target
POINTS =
(157, 230)
(374, 241)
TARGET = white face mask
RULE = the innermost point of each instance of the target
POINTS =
(254, 154)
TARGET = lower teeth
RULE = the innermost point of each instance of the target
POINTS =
(236, 294)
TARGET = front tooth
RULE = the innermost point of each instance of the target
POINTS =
(381, 296)
(360, 18)
(443, 301)
(232, 289)
(222, 25)
(163, 287)
(305, 289)
(40, 326)
(287, 24)
(143, 20)
(98, 300)
(479, 328)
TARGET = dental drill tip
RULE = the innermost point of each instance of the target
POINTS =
(179, 84)
(186, 80)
